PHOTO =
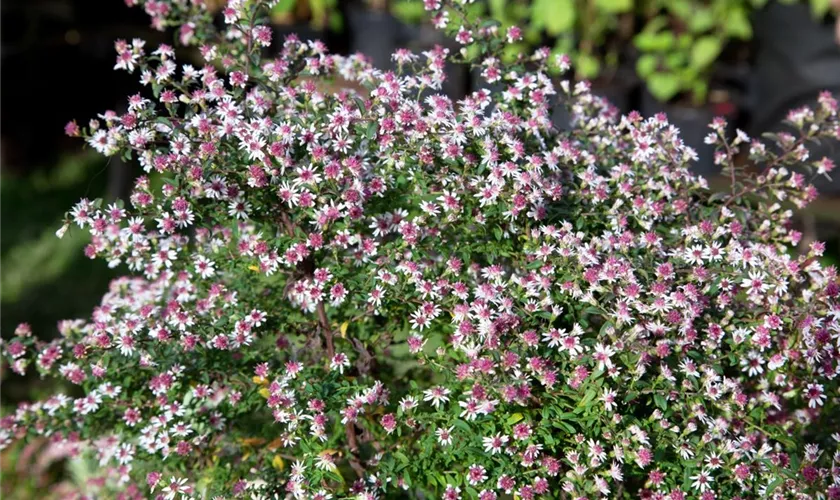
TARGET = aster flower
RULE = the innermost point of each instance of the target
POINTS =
(444, 435)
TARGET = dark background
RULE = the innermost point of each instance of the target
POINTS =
(57, 60)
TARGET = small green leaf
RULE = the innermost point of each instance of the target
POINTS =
(699, 91)
(663, 86)
(516, 417)
(587, 66)
(819, 8)
(284, 7)
(497, 8)
(512, 51)
(687, 473)
(371, 131)
(408, 11)
(738, 24)
(676, 60)
(565, 426)
(646, 65)
(682, 9)
(319, 12)
(614, 6)
(401, 457)
(655, 42)
(660, 402)
(704, 52)
(587, 398)
(461, 425)
(557, 16)
(701, 21)
(336, 22)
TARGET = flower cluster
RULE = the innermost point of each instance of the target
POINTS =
(344, 284)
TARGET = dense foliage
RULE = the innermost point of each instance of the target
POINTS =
(674, 45)
(383, 293)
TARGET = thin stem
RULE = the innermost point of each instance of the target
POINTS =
(325, 326)
(353, 445)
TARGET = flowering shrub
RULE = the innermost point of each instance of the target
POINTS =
(382, 293)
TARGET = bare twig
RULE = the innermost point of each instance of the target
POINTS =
(353, 444)
(287, 223)
(325, 326)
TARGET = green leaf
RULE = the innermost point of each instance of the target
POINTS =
(699, 91)
(461, 425)
(738, 24)
(701, 21)
(512, 51)
(646, 65)
(319, 12)
(401, 457)
(440, 479)
(655, 42)
(660, 402)
(497, 10)
(519, 11)
(682, 9)
(565, 426)
(676, 60)
(516, 417)
(284, 7)
(688, 471)
(704, 52)
(587, 398)
(715, 287)
(557, 16)
(663, 86)
(336, 22)
(656, 24)
(587, 66)
(408, 11)
(614, 6)
(371, 131)
(819, 8)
